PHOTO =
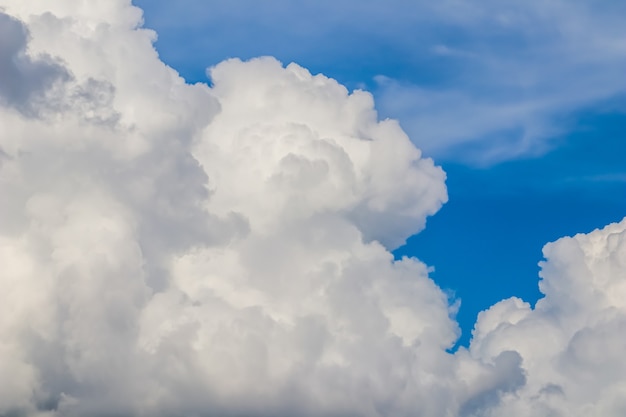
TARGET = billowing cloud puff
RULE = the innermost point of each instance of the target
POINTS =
(170, 248)
(298, 146)
(572, 343)
(173, 249)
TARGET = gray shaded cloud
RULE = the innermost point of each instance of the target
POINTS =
(24, 79)
(508, 377)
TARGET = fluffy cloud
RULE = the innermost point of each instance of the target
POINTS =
(170, 248)
(174, 249)
(571, 343)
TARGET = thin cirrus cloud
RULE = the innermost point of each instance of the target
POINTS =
(523, 68)
(176, 249)
(477, 82)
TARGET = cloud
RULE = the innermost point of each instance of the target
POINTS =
(175, 249)
(571, 343)
(300, 146)
(171, 248)
(24, 78)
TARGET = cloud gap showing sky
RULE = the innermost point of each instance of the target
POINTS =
(175, 249)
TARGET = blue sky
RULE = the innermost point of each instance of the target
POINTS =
(522, 103)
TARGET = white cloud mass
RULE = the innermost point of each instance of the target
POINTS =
(182, 250)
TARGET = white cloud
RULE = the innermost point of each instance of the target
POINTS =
(173, 249)
(297, 146)
(571, 343)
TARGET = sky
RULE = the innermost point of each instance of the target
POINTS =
(312, 208)
(523, 104)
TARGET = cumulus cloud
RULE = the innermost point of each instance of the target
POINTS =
(174, 249)
(571, 343)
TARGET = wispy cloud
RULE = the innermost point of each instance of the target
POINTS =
(522, 68)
